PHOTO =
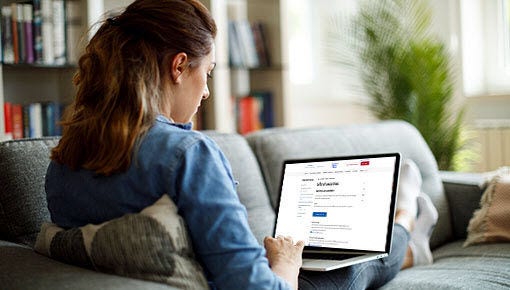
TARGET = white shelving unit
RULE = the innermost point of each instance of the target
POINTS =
(27, 83)
(229, 83)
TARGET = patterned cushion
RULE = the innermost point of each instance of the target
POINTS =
(151, 245)
(491, 223)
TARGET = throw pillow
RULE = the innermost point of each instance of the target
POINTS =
(151, 245)
(491, 223)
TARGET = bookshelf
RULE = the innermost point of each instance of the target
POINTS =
(31, 83)
(231, 83)
(46, 77)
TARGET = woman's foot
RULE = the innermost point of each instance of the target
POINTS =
(408, 191)
(420, 236)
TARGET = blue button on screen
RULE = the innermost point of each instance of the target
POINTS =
(320, 214)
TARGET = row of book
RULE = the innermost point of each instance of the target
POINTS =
(247, 44)
(32, 120)
(41, 32)
(254, 112)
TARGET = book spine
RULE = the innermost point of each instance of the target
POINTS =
(248, 116)
(48, 118)
(247, 43)
(17, 121)
(26, 121)
(267, 113)
(29, 38)
(59, 110)
(21, 33)
(74, 24)
(235, 57)
(8, 119)
(259, 36)
(59, 32)
(14, 26)
(47, 31)
(7, 49)
(35, 120)
(37, 31)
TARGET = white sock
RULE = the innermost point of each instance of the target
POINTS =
(409, 187)
(420, 236)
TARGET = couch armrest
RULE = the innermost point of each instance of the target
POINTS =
(463, 191)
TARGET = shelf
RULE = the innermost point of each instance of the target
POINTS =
(38, 66)
(277, 67)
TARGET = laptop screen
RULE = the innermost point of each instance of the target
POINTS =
(339, 203)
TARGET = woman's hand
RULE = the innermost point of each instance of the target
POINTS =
(285, 257)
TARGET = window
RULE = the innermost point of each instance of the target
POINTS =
(485, 28)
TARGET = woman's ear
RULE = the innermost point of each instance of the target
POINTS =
(178, 65)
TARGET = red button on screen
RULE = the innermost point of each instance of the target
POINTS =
(363, 163)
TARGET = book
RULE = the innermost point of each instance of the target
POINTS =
(27, 33)
(26, 121)
(267, 110)
(8, 119)
(35, 123)
(7, 48)
(15, 34)
(248, 114)
(51, 115)
(260, 39)
(59, 33)
(48, 119)
(20, 26)
(241, 41)
(37, 32)
(47, 31)
(17, 121)
(74, 24)
(255, 112)
(247, 43)
(235, 57)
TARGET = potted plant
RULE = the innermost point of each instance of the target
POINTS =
(405, 71)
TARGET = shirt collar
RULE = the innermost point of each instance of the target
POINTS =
(185, 126)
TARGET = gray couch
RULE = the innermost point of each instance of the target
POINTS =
(256, 161)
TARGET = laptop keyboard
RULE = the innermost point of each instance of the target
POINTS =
(329, 256)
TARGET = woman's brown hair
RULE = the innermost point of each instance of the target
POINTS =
(119, 80)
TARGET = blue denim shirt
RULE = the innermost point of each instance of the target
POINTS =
(189, 167)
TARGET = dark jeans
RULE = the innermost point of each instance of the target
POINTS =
(372, 274)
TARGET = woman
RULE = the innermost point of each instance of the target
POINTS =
(127, 140)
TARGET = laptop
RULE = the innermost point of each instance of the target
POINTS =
(342, 208)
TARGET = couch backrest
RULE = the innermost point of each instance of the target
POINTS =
(23, 206)
(251, 189)
(273, 146)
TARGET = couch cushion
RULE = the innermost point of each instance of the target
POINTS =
(463, 191)
(491, 223)
(23, 206)
(22, 268)
(251, 189)
(273, 146)
(151, 245)
(477, 267)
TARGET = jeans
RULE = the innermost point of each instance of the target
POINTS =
(372, 274)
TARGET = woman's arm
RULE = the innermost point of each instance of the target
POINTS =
(218, 224)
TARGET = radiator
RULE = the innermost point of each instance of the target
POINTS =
(493, 138)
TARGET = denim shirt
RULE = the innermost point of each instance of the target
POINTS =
(189, 167)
